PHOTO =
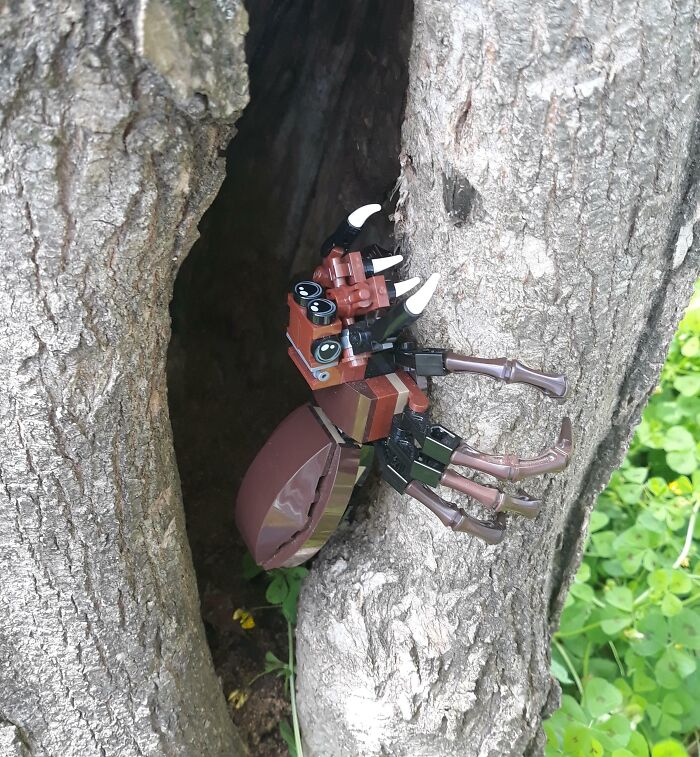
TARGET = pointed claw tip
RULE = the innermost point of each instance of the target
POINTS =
(566, 439)
(401, 287)
(417, 302)
(381, 264)
(358, 217)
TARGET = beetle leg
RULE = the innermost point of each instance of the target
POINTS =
(496, 500)
(399, 467)
(511, 371)
(452, 517)
(433, 361)
(512, 468)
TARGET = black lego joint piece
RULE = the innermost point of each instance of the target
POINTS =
(416, 424)
(402, 462)
(426, 471)
(391, 471)
(401, 448)
(360, 338)
(440, 443)
(396, 455)
(380, 364)
(426, 361)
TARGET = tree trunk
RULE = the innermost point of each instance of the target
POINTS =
(550, 174)
(111, 125)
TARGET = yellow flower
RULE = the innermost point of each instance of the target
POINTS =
(245, 618)
(238, 697)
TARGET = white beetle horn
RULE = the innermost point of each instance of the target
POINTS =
(381, 264)
(417, 302)
(401, 287)
(358, 217)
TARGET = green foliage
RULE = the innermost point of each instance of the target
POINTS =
(287, 733)
(282, 593)
(273, 664)
(283, 590)
(626, 653)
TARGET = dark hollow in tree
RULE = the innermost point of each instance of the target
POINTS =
(321, 134)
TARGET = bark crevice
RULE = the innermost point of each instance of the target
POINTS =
(319, 137)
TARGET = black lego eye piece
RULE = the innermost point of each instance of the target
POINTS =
(321, 312)
(305, 292)
(326, 350)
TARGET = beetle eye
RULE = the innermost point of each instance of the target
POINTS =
(321, 312)
(306, 291)
(326, 350)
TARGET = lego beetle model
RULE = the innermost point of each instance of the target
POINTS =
(347, 334)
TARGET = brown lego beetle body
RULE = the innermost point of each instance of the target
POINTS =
(347, 334)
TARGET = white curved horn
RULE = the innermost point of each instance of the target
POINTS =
(381, 264)
(417, 302)
(401, 287)
(359, 216)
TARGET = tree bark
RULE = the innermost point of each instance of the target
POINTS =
(112, 122)
(550, 174)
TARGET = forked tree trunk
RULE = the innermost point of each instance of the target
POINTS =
(550, 174)
(112, 119)
(547, 173)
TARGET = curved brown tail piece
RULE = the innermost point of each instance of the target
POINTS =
(348, 337)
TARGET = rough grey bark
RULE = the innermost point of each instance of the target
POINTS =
(112, 119)
(550, 173)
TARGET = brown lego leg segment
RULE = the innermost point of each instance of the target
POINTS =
(512, 468)
(449, 515)
(491, 497)
(510, 371)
